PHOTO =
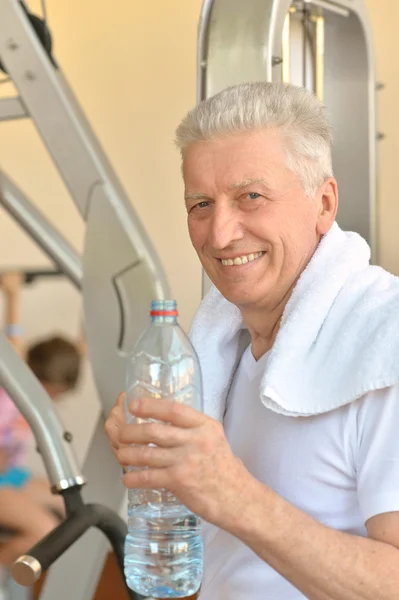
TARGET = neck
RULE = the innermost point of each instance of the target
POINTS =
(263, 324)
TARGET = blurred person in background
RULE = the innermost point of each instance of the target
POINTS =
(27, 506)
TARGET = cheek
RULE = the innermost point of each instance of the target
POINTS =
(299, 241)
(196, 232)
(286, 236)
(267, 228)
(299, 223)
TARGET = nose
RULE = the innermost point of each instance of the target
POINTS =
(225, 226)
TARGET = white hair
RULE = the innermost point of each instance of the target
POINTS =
(296, 112)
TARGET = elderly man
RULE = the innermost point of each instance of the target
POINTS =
(295, 464)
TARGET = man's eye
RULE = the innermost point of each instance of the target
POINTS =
(253, 195)
(202, 204)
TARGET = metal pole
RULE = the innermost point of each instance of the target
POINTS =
(319, 70)
(286, 48)
(40, 230)
(52, 440)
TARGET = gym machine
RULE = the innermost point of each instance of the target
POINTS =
(117, 288)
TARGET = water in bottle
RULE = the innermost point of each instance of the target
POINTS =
(163, 550)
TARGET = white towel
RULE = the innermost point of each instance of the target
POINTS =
(338, 336)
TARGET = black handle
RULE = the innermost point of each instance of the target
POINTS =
(80, 518)
(31, 275)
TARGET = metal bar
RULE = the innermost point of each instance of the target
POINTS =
(30, 276)
(12, 108)
(36, 79)
(202, 40)
(92, 548)
(202, 43)
(57, 248)
(37, 408)
(305, 17)
(286, 48)
(29, 567)
(319, 57)
(331, 6)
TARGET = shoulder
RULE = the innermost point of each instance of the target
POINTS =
(369, 300)
(373, 285)
(376, 411)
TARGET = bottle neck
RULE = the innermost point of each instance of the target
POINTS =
(163, 320)
(163, 312)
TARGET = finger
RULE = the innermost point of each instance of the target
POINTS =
(113, 430)
(165, 410)
(148, 479)
(114, 423)
(147, 456)
(117, 413)
(120, 401)
(160, 434)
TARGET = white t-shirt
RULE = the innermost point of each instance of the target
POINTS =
(341, 468)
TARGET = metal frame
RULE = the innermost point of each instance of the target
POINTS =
(117, 285)
(11, 109)
(30, 219)
(49, 433)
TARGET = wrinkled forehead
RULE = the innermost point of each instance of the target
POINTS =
(233, 159)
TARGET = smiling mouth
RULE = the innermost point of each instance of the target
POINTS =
(241, 260)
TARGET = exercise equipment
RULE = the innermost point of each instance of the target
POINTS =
(117, 289)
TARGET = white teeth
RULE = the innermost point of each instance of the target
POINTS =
(241, 260)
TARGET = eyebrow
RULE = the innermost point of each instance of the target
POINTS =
(234, 186)
(245, 183)
(195, 196)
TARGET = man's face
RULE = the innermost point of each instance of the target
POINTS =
(246, 207)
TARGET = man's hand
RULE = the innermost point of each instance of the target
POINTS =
(189, 455)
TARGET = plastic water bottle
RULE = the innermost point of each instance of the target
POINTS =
(163, 549)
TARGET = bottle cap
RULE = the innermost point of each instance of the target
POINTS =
(164, 308)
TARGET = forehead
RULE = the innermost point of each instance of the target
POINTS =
(257, 155)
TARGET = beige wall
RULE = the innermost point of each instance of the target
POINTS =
(132, 67)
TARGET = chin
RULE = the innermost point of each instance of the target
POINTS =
(239, 297)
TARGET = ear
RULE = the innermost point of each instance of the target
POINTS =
(328, 200)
